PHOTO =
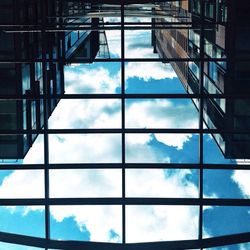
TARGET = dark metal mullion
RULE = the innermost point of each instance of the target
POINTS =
(82, 60)
(127, 96)
(44, 8)
(63, 166)
(129, 201)
(123, 126)
(72, 245)
(126, 130)
(201, 105)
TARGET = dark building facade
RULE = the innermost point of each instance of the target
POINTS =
(225, 37)
(24, 82)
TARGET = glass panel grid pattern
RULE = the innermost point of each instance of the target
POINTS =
(127, 145)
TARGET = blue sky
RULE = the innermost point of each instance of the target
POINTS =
(103, 223)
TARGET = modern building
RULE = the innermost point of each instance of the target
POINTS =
(225, 37)
(23, 83)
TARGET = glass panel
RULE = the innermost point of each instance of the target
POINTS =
(88, 148)
(161, 223)
(151, 78)
(226, 183)
(113, 39)
(88, 113)
(18, 149)
(95, 78)
(25, 220)
(243, 246)
(9, 246)
(225, 220)
(138, 44)
(226, 148)
(161, 148)
(181, 183)
(160, 113)
(21, 184)
(85, 183)
(87, 223)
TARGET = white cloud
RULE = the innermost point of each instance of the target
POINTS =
(114, 42)
(245, 246)
(35, 154)
(99, 220)
(162, 114)
(149, 70)
(175, 140)
(242, 179)
(138, 45)
(87, 148)
(88, 113)
(138, 149)
(149, 223)
(156, 183)
(13, 185)
(85, 183)
(86, 80)
(157, 223)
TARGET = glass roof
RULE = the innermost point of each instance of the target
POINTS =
(124, 125)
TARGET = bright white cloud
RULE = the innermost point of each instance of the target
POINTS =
(85, 183)
(90, 148)
(89, 81)
(157, 183)
(35, 154)
(242, 179)
(13, 185)
(88, 113)
(175, 140)
(157, 223)
(138, 45)
(162, 114)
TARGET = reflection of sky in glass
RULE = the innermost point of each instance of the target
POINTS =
(149, 223)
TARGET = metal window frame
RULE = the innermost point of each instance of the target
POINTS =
(47, 242)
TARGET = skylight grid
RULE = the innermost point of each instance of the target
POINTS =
(138, 149)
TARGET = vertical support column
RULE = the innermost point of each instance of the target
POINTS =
(123, 124)
(201, 105)
(44, 8)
